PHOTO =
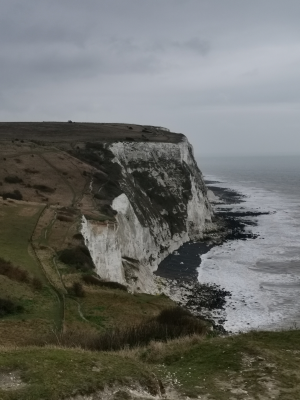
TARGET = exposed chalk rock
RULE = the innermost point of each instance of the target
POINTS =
(163, 205)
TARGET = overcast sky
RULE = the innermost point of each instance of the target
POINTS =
(226, 73)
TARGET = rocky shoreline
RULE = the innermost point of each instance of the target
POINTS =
(177, 275)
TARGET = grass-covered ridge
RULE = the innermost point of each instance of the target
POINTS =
(257, 365)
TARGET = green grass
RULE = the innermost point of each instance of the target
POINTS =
(262, 364)
(52, 373)
(257, 365)
(40, 306)
(95, 316)
(15, 236)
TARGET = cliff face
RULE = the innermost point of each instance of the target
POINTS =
(163, 205)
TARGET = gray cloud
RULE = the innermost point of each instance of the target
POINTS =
(199, 46)
(225, 73)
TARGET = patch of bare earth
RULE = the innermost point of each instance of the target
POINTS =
(11, 381)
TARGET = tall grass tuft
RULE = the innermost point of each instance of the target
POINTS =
(169, 324)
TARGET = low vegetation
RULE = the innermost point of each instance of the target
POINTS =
(8, 307)
(257, 365)
(18, 274)
(93, 280)
(13, 179)
(77, 290)
(78, 257)
(168, 324)
(43, 188)
(31, 170)
(57, 373)
(15, 195)
(12, 272)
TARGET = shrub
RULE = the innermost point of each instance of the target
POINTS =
(12, 272)
(65, 218)
(8, 307)
(37, 283)
(78, 236)
(44, 188)
(155, 329)
(107, 210)
(78, 257)
(101, 196)
(93, 280)
(15, 195)
(13, 179)
(31, 171)
(94, 146)
(78, 290)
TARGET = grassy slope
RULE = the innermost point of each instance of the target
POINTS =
(265, 365)
(18, 222)
(40, 314)
(32, 233)
(57, 373)
(258, 365)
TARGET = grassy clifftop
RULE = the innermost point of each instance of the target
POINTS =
(64, 132)
(255, 366)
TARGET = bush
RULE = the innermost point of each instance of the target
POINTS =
(93, 280)
(107, 210)
(37, 283)
(12, 272)
(78, 290)
(44, 188)
(8, 307)
(94, 146)
(15, 195)
(13, 179)
(31, 171)
(160, 328)
(78, 257)
(78, 236)
(64, 218)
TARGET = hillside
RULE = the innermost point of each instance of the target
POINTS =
(45, 191)
(87, 211)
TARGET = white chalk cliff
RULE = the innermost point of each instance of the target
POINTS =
(163, 205)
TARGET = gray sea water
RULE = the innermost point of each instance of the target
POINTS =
(263, 274)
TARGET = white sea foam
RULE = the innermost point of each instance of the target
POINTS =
(263, 274)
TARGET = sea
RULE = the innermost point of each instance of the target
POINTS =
(262, 273)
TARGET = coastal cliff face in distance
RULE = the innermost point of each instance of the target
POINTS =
(133, 193)
(162, 204)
